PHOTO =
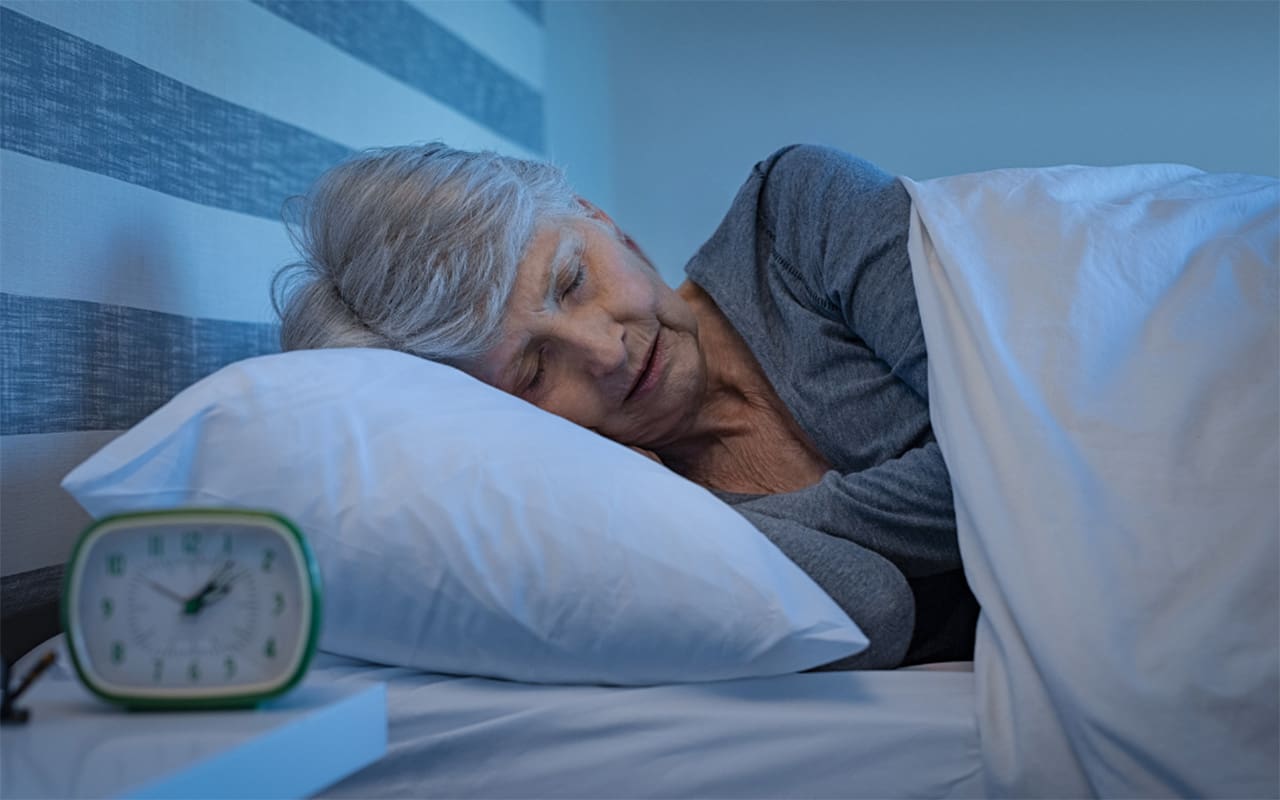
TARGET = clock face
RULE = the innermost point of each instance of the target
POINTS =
(191, 605)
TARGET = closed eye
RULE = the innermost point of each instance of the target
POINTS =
(579, 277)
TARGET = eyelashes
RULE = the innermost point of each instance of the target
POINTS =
(579, 278)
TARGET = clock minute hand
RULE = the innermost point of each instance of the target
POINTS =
(221, 590)
(165, 590)
(211, 592)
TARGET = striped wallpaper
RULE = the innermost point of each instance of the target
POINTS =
(146, 149)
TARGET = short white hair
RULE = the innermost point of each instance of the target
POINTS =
(415, 249)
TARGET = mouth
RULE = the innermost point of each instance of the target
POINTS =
(643, 379)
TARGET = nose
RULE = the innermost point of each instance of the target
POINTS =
(595, 341)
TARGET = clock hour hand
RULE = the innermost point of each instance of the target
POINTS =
(221, 590)
(215, 589)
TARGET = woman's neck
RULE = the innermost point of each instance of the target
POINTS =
(740, 417)
(734, 379)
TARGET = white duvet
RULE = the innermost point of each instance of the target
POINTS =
(1104, 385)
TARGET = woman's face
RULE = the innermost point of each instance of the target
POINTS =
(593, 334)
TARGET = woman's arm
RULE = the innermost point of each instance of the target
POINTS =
(901, 509)
(837, 227)
(867, 587)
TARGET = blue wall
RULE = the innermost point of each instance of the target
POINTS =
(146, 149)
(695, 92)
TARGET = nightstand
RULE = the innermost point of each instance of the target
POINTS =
(79, 746)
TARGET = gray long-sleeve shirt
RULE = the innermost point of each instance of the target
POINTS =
(810, 266)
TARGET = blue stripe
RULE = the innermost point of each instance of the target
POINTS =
(397, 39)
(531, 7)
(66, 100)
(68, 365)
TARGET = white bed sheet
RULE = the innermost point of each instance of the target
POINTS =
(906, 733)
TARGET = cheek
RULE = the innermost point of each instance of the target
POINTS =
(576, 404)
(686, 369)
(633, 296)
(640, 283)
(669, 307)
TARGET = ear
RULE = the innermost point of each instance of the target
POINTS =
(597, 212)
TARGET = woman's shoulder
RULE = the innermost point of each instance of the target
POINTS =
(814, 171)
(795, 201)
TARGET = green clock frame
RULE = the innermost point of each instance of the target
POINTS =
(312, 586)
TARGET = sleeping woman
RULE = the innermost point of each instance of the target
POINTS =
(787, 374)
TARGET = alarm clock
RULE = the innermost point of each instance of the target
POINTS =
(193, 608)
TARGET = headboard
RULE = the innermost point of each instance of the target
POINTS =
(146, 150)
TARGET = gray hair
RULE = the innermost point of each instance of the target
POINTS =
(413, 248)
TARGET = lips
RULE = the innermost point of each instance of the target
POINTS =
(647, 368)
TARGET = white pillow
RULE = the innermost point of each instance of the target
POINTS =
(462, 530)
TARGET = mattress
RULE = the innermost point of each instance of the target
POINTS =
(904, 733)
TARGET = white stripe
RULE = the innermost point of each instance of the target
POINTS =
(499, 31)
(40, 521)
(74, 234)
(244, 54)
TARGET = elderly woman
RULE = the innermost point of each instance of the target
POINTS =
(787, 374)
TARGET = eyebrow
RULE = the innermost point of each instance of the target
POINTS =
(569, 246)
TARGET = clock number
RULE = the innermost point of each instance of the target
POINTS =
(115, 564)
(230, 666)
(268, 556)
(157, 669)
(270, 649)
(278, 608)
(155, 545)
(193, 671)
(117, 652)
(190, 541)
(107, 607)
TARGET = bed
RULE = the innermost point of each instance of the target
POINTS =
(1104, 383)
